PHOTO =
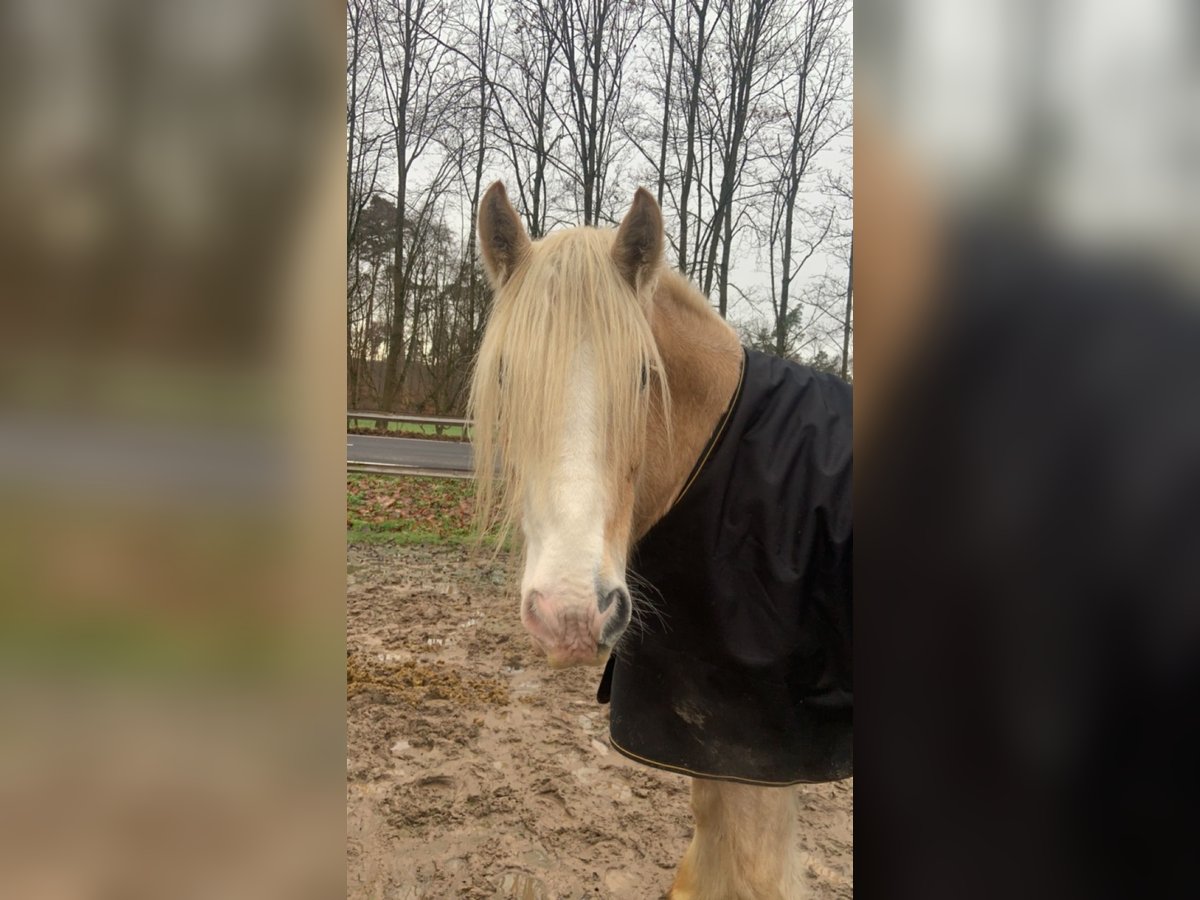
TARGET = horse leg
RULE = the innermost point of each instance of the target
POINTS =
(744, 846)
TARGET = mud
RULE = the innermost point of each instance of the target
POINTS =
(473, 771)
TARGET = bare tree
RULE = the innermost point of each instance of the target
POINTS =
(523, 91)
(692, 41)
(364, 147)
(481, 36)
(595, 39)
(669, 17)
(415, 106)
(750, 50)
(840, 188)
(816, 109)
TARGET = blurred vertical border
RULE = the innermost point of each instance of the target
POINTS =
(1027, 361)
(171, 463)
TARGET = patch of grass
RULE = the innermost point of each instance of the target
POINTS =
(410, 510)
(414, 428)
(359, 534)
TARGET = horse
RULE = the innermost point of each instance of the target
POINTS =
(604, 385)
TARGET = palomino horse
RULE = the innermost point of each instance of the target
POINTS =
(623, 428)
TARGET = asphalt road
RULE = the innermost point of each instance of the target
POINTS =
(408, 453)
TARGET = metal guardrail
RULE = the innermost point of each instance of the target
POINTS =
(437, 421)
(393, 417)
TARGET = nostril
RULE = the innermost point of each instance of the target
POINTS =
(616, 620)
(608, 599)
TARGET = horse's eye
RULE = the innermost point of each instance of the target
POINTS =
(643, 376)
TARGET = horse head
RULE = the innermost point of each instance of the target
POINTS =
(567, 383)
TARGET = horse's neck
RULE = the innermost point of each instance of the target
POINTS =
(702, 357)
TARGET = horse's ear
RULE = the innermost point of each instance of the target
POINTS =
(502, 238)
(639, 246)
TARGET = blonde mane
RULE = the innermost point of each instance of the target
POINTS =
(565, 298)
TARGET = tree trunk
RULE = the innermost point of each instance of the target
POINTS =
(723, 304)
(662, 153)
(689, 163)
(392, 376)
(849, 310)
(591, 191)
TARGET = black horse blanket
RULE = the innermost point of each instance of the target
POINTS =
(742, 669)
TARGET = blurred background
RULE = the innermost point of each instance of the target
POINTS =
(1075, 114)
(1028, 493)
(171, 544)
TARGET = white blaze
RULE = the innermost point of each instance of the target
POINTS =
(564, 518)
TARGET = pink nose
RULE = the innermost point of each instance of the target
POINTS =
(572, 632)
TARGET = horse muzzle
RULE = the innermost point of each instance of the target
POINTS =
(575, 632)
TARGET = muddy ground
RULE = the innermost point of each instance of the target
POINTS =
(476, 772)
